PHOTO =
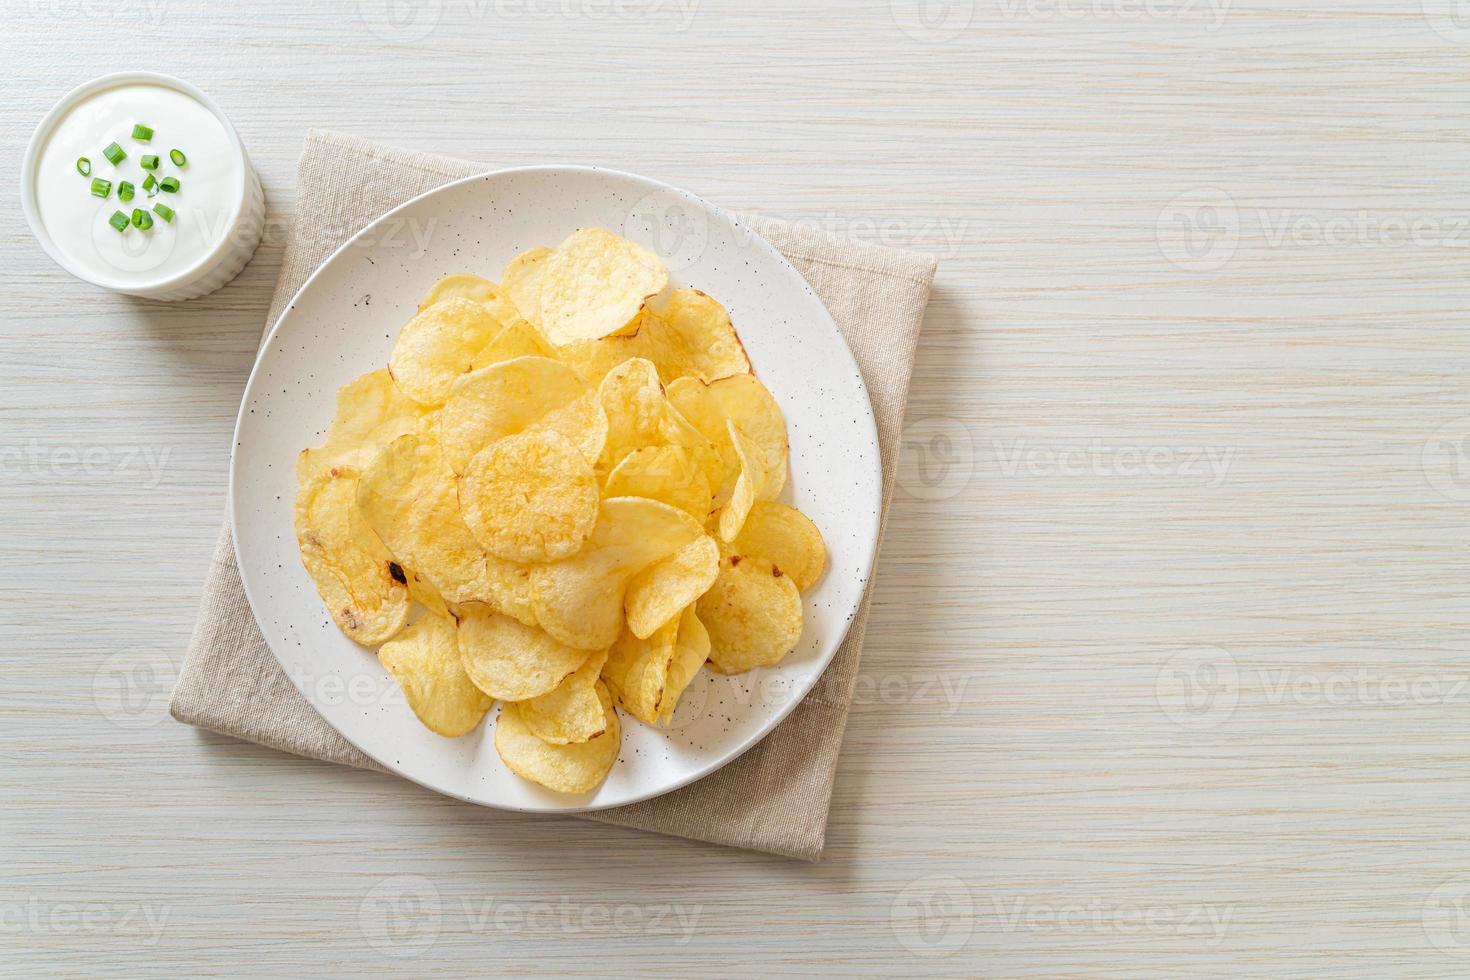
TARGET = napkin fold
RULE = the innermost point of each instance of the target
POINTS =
(773, 798)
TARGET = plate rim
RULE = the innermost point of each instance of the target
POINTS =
(874, 537)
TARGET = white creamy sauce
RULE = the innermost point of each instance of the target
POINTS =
(211, 183)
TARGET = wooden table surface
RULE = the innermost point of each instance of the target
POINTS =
(1169, 662)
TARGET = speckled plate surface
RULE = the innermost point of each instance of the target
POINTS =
(343, 322)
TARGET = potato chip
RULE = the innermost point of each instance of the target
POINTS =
(691, 650)
(745, 401)
(575, 768)
(787, 538)
(637, 670)
(748, 485)
(571, 711)
(579, 600)
(593, 359)
(508, 659)
(501, 400)
(518, 339)
(581, 421)
(521, 281)
(366, 594)
(753, 614)
(438, 345)
(476, 289)
(407, 496)
(665, 473)
(594, 284)
(530, 497)
(640, 415)
(691, 398)
(692, 336)
(424, 659)
(657, 594)
(371, 412)
(647, 676)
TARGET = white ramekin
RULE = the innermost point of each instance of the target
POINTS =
(212, 270)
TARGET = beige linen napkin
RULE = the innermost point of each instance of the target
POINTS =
(773, 798)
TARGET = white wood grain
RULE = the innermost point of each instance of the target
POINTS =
(1023, 765)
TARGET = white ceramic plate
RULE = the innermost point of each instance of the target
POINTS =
(343, 322)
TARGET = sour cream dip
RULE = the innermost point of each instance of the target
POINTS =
(88, 167)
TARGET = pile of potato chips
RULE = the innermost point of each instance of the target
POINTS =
(560, 494)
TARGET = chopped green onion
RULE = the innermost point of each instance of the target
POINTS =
(148, 161)
(142, 133)
(170, 184)
(177, 156)
(124, 191)
(114, 153)
(150, 184)
(118, 221)
(165, 212)
(100, 187)
(84, 166)
(142, 219)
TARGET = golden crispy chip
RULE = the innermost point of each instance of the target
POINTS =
(656, 594)
(581, 421)
(595, 284)
(501, 400)
(647, 676)
(425, 661)
(476, 289)
(637, 669)
(518, 339)
(787, 538)
(665, 473)
(691, 650)
(639, 415)
(371, 412)
(571, 711)
(575, 768)
(365, 593)
(745, 401)
(521, 281)
(438, 345)
(407, 496)
(748, 484)
(753, 614)
(636, 407)
(579, 600)
(593, 359)
(692, 336)
(694, 403)
(530, 497)
(508, 659)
